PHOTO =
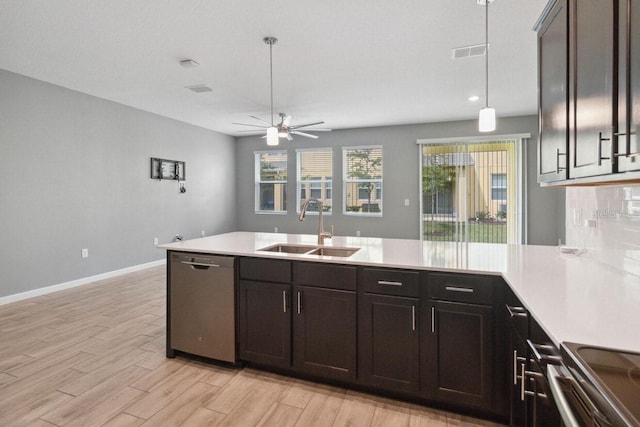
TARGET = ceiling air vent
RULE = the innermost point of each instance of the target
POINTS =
(199, 88)
(469, 51)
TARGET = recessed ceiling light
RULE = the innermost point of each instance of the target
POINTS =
(474, 98)
(189, 63)
(199, 88)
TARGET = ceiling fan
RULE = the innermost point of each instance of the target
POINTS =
(284, 129)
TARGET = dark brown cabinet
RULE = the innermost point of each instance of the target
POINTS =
(325, 332)
(531, 402)
(592, 87)
(388, 334)
(553, 95)
(264, 312)
(458, 359)
(265, 323)
(629, 86)
(589, 90)
(457, 347)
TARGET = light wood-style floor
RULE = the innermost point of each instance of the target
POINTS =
(94, 356)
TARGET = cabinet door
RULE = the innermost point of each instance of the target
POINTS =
(388, 342)
(629, 86)
(457, 353)
(553, 101)
(591, 69)
(324, 329)
(265, 323)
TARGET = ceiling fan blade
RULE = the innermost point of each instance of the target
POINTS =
(259, 119)
(318, 130)
(308, 135)
(247, 124)
(287, 121)
(305, 125)
(251, 130)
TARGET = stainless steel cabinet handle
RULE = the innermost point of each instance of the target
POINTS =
(388, 283)
(516, 311)
(284, 301)
(515, 367)
(600, 158)
(552, 359)
(558, 154)
(433, 320)
(458, 289)
(299, 298)
(413, 317)
(523, 379)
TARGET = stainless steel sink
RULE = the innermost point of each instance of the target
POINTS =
(289, 248)
(333, 251)
(310, 250)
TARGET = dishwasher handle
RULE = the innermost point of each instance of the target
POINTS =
(200, 265)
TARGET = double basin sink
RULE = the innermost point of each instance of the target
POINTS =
(311, 250)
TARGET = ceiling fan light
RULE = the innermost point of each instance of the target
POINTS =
(272, 136)
(487, 120)
(283, 134)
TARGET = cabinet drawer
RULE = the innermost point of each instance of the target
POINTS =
(325, 275)
(266, 270)
(461, 288)
(391, 282)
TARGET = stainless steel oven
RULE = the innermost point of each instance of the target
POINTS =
(596, 386)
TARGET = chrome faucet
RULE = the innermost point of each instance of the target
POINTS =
(321, 233)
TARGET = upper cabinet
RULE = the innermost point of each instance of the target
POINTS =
(591, 87)
(589, 93)
(553, 96)
(628, 152)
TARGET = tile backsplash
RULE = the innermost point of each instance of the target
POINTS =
(605, 221)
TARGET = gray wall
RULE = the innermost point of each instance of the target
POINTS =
(75, 174)
(401, 176)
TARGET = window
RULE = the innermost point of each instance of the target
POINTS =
(271, 181)
(498, 186)
(362, 180)
(314, 178)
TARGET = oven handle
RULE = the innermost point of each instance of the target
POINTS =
(554, 375)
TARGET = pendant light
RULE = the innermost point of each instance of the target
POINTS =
(487, 116)
(272, 131)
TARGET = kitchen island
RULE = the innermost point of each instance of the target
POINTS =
(573, 298)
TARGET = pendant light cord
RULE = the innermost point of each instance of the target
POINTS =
(486, 55)
(271, 76)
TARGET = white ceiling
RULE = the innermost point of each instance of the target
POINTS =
(352, 63)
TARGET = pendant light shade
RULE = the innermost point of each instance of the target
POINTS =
(272, 136)
(487, 116)
(487, 119)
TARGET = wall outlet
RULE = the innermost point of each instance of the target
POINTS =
(202, 233)
(275, 229)
(358, 233)
(85, 253)
(155, 240)
(406, 202)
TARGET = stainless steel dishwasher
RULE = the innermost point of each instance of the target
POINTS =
(201, 306)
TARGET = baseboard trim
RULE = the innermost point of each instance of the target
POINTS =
(79, 282)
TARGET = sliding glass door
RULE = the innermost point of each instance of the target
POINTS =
(469, 192)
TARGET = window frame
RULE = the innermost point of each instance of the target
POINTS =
(346, 181)
(259, 182)
(326, 183)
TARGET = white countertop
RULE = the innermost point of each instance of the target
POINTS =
(574, 298)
